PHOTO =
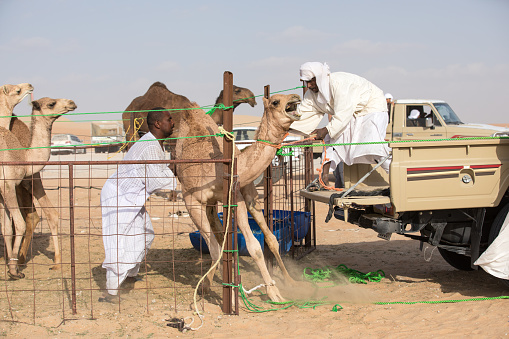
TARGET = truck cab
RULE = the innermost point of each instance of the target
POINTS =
(435, 120)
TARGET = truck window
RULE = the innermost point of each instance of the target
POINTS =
(448, 114)
(416, 115)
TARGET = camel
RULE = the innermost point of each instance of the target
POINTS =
(44, 112)
(158, 95)
(202, 184)
(10, 96)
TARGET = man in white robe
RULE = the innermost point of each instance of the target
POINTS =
(358, 111)
(127, 229)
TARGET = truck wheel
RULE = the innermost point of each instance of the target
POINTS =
(495, 230)
(458, 261)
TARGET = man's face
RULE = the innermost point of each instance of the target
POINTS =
(166, 124)
(311, 85)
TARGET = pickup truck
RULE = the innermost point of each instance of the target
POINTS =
(452, 194)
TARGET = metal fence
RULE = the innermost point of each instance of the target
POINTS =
(171, 268)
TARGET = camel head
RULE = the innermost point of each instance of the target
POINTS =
(241, 95)
(11, 95)
(50, 109)
(281, 109)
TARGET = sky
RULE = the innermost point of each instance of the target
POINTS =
(103, 54)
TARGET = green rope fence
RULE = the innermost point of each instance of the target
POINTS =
(206, 107)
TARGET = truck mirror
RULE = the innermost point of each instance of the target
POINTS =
(429, 122)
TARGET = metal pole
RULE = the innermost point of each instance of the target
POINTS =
(227, 179)
(267, 201)
(73, 255)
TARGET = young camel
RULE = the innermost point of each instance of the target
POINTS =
(10, 96)
(44, 112)
(158, 95)
(202, 184)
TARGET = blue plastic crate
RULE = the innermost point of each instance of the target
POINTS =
(302, 222)
(280, 228)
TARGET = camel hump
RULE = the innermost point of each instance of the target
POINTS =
(158, 84)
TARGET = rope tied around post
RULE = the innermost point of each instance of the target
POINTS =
(218, 106)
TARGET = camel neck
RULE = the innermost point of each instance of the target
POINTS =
(40, 135)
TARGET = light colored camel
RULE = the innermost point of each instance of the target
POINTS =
(202, 184)
(158, 95)
(44, 112)
(31, 187)
(10, 96)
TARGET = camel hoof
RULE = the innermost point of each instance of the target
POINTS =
(16, 276)
(274, 295)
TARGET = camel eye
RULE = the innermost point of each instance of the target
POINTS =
(237, 91)
(51, 104)
(18, 91)
(275, 103)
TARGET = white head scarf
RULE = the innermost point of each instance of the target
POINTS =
(321, 72)
(388, 96)
(414, 114)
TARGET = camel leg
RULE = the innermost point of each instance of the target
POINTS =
(197, 213)
(51, 214)
(255, 250)
(250, 195)
(11, 205)
(27, 208)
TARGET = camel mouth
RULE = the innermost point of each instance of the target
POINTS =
(291, 109)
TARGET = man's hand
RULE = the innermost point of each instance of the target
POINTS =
(320, 133)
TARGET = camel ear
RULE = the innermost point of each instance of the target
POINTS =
(5, 90)
(265, 102)
(36, 106)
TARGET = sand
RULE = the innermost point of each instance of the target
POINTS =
(167, 287)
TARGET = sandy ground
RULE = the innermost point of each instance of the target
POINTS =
(38, 305)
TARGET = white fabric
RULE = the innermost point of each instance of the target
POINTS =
(388, 96)
(351, 96)
(495, 260)
(329, 155)
(364, 128)
(321, 72)
(414, 114)
(127, 230)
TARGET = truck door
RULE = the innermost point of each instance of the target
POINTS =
(422, 123)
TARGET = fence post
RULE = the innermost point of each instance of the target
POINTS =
(227, 179)
(71, 232)
(268, 201)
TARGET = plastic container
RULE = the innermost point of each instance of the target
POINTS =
(281, 229)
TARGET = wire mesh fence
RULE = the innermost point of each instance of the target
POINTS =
(171, 268)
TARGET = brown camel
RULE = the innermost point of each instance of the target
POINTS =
(202, 184)
(10, 96)
(158, 95)
(44, 112)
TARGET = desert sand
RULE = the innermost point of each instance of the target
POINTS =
(173, 268)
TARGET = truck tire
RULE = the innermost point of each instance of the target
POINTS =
(456, 260)
(495, 230)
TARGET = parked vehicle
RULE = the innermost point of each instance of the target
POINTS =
(66, 144)
(452, 194)
(107, 136)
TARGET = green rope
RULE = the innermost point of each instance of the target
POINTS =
(218, 106)
(332, 276)
(398, 141)
(438, 301)
(115, 143)
(221, 106)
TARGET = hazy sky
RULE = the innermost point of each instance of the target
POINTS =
(102, 54)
